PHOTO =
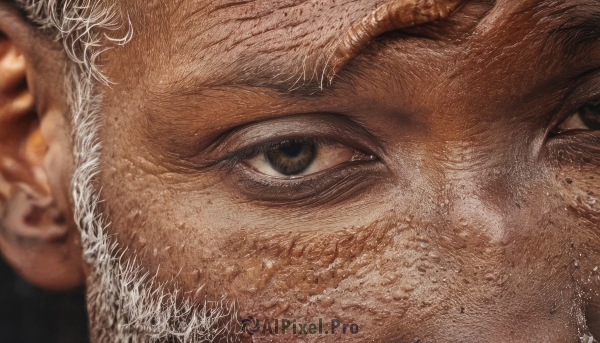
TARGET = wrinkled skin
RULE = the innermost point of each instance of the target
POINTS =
(474, 224)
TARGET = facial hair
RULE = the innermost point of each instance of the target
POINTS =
(125, 303)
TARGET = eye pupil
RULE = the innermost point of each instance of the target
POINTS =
(292, 150)
(590, 116)
(291, 157)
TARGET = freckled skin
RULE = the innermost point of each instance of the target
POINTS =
(475, 224)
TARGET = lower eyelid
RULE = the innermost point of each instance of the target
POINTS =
(342, 180)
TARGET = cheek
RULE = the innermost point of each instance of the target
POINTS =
(303, 265)
(300, 264)
(366, 275)
(580, 188)
(419, 270)
(577, 190)
(578, 177)
(427, 265)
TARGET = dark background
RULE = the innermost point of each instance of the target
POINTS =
(31, 315)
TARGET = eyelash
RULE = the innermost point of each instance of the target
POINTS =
(330, 186)
(238, 156)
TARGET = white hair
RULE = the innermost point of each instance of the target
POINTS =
(125, 304)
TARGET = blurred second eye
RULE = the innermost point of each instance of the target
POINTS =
(587, 118)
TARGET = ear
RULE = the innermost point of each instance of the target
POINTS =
(37, 234)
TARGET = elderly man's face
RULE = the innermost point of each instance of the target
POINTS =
(441, 184)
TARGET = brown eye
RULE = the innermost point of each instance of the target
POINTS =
(294, 158)
(291, 158)
(590, 116)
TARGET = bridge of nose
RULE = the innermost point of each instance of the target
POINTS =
(471, 193)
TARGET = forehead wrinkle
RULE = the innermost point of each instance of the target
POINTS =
(286, 41)
(553, 31)
(268, 65)
(391, 16)
(503, 13)
(299, 65)
(569, 29)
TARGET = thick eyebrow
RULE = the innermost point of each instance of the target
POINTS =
(577, 35)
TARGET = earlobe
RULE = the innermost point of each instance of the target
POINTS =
(36, 237)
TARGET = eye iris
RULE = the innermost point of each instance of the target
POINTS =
(291, 158)
(590, 116)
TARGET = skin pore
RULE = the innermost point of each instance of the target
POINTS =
(477, 219)
(431, 183)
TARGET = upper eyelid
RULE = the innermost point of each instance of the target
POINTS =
(252, 151)
(319, 127)
(585, 88)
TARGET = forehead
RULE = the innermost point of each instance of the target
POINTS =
(290, 41)
(213, 40)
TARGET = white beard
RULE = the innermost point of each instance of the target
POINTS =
(125, 304)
